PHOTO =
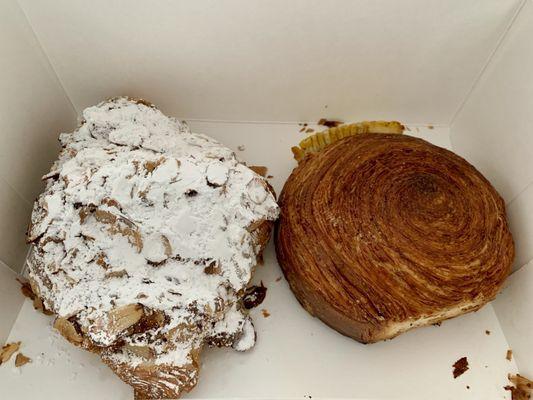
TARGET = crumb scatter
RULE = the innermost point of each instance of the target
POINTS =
(7, 351)
(21, 360)
(460, 367)
(330, 123)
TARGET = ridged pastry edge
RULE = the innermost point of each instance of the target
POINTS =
(320, 140)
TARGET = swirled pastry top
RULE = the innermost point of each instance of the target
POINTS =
(139, 210)
(383, 232)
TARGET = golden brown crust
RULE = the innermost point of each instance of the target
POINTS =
(380, 233)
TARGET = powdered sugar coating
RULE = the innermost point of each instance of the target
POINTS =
(138, 210)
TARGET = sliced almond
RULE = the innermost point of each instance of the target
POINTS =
(7, 351)
(85, 212)
(26, 289)
(50, 175)
(134, 237)
(122, 318)
(150, 166)
(522, 388)
(150, 320)
(213, 268)
(254, 225)
(128, 229)
(116, 274)
(182, 333)
(217, 174)
(68, 331)
(258, 169)
(168, 247)
(105, 217)
(101, 261)
(39, 305)
(34, 287)
(142, 351)
(111, 202)
(21, 359)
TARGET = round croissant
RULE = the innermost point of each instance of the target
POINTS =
(381, 233)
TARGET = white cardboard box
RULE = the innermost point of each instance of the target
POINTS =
(459, 73)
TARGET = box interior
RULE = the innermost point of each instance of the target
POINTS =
(456, 73)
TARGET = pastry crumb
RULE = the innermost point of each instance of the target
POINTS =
(278, 279)
(468, 387)
(265, 313)
(430, 127)
(329, 123)
(241, 147)
(303, 126)
(509, 355)
(437, 324)
(21, 360)
(309, 130)
(7, 351)
(487, 332)
(270, 176)
(460, 367)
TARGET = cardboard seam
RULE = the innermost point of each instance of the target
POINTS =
(30, 204)
(47, 59)
(508, 204)
(3, 265)
(501, 40)
(496, 313)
